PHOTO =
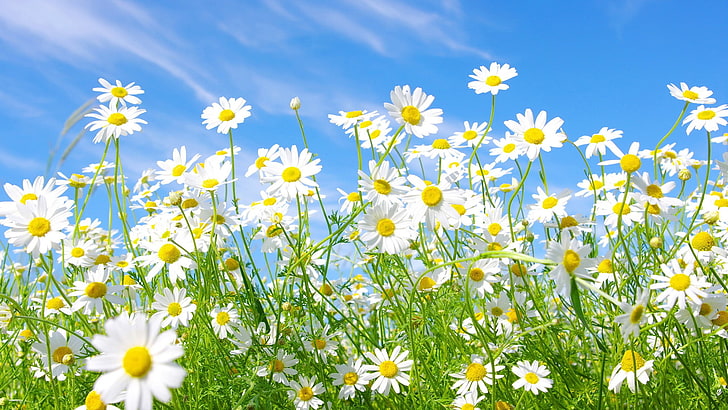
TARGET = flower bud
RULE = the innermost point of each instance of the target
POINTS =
(656, 242)
(175, 198)
(295, 103)
(684, 174)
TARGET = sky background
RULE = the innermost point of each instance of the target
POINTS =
(593, 63)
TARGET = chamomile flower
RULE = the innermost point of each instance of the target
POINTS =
(618, 209)
(166, 254)
(351, 377)
(54, 305)
(58, 351)
(94, 291)
(599, 142)
(653, 192)
(679, 285)
(241, 338)
(632, 368)
(476, 376)
(321, 343)
(389, 370)
(472, 134)
(118, 93)
(264, 156)
(573, 262)
(93, 402)
(37, 226)
(348, 119)
(210, 175)
(173, 170)
(534, 135)
(383, 185)
(548, 205)
(304, 393)
(709, 118)
(491, 80)
(387, 229)
(224, 319)
(695, 95)
(280, 368)
(506, 149)
(115, 122)
(348, 200)
(135, 357)
(411, 110)
(532, 376)
(293, 174)
(468, 401)
(174, 306)
(432, 203)
(481, 275)
(226, 114)
(31, 191)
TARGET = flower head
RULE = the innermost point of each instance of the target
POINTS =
(411, 110)
(491, 80)
(226, 114)
(118, 93)
(115, 122)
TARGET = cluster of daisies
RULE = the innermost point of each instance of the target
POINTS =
(460, 229)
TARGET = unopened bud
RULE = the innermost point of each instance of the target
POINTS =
(295, 103)
(711, 218)
(684, 174)
(287, 306)
(656, 242)
(175, 198)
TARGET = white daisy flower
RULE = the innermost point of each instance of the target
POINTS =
(482, 275)
(536, 134)
(548, 205)
(490, 80)
(226, 114)
(93, 401)
(388, 371)
(679, 285)
(573, 262)
(304, 393)
(37, 226)
(92, 293)
(432, 203)
(118, 93)
(224, 319)
(264, 155)
(173, 170)
(174, 306)
(51, 191)
(532, 376)
(166, 254)
(58, 351)
(292, 175)
(476, 376)
(599, 142)
(632, 368)
(472, 135)
(351, 377)
(411, 110)
(469, 401)
(387, 229)
(506, 149)
(279, 368)
(135, 357)
(211, 175)
(709, 118)
(383, 185)
(115, 122)
(695, 95)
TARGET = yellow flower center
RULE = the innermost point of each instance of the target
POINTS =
(222, 318)
(128, 280)
(291, 174)
(382, 186)
(493, 80)
(549, 202)
(621, 209)
(597, 138)
(469, 135)
(169, 253)
(475, 372)
(654, 191)
(351, 378)
(388, 369)
(531, 377)
(534, 136)
(636, 314)
(632, 361)
(494, 228)
(260, 162)
(305, 394)
(102, 260)
(572, 260)
(276, 366)
(495, 246)
(174, 309)
(706, 115)
(722, 319)
(605, 266)
(508, 148)
(231, 264)
(319, 344)
(459, 209)
(630, 163)
(702, 241)
(353, 197)
(496, 311)
(705, 309)
(680, 282)
(467, 406)
(353, 114)
(117, 119)
(189, 203)
(596, 184)
(385, 227)
(426, 283)
(95, 290)
(210, 183)
(476, 274)
(440, 143)
(431, 195)
(411, 115)
(273, 231)
(178, 170)
(55, 303)
(326, 289)
(77, 252)
(518, 269)
(690, 95)
(568, 222)
(59, 355)
(39, 226)
(226, 115)
(137, 361)
(119, 92)
(721, 203)
(94, 402)
(28, 197)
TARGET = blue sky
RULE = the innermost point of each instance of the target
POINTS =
(594, 63)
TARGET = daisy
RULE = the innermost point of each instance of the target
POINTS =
(634, 315)
(173, 170)
(432, 203)
(209, 176)
(118, 94)
(223, 320)
(532, 377)
(94, 291)
(476, 376)
(347, 120)
(617, 209)
(599, 142)
(54, 305)
(351, 377)
(695, 95)
(548, 205)
(80, 252)
(174, 306)
(679, 284)
(534, 135)
(632, 368)
(279, 368)
(135, 357)
(166, 254)
(373, 133)
(709, 118)
(50, 190)
(348, 201)
(573, 262)
(387, 229)
(37, 225)
(469, 401)
(490, 80)
(411, 110)
(226, 115)
(482, 274)
(115, 122)
(440, 148)
(388, 371)
(506, 149)
(58, 351)
(383, 185)
(264, 155)
(93, 402)
(304, 393)
(292, 175)
(653, 192)
(321, 343)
